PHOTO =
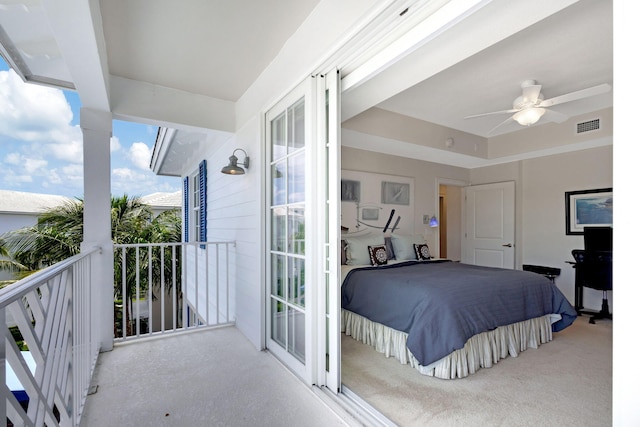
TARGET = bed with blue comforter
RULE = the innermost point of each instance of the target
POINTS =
(453, 318)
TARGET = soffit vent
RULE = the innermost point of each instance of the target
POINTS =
(588, 126)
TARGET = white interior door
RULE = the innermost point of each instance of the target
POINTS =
(489, 238)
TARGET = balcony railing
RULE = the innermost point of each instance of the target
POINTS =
(49, 350)
(163, 288)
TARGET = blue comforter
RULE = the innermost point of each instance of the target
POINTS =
(440, 305)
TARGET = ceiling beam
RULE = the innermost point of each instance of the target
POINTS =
(77, 27)
(391, 72)
(148, 103)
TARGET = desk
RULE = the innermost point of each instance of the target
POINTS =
(593, 270)
(549, 272)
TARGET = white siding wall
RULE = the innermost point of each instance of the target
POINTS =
(235, 206)
(234, 213)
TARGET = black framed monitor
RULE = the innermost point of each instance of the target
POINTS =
(598, 238)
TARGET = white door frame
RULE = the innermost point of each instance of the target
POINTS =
(329, 275)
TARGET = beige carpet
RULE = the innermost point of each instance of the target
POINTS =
(566, 382)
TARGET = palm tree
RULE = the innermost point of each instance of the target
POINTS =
(8, 264)
(58, 235)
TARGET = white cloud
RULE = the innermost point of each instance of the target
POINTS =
(53, 177)
(136, 183)
(27, 164)
(70, 150)
(73, 170)
(140, 155)
(31, 112)
(33, 165)
(126, 174)
(13, 179)
(115, 144)
(13, 159)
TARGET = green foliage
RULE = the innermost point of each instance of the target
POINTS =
(58, 234)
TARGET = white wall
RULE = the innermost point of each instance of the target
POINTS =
(235, 213)
(540, 212)
(424, 174)
(545, 181)
(10, 221)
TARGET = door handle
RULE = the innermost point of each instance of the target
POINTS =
(508, 245)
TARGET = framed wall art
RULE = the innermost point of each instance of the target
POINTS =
(350, 190)
(395, 193)
(588, 208)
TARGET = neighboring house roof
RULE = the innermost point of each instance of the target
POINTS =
(18, 202)
(163, 200)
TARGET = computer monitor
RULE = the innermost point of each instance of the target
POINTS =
(598, 238)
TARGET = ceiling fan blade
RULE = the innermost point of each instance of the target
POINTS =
(554, 116)
(531, 93)
(491, 113)
(503, 123)
(574, 96)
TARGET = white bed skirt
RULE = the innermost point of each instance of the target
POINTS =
(480, 351)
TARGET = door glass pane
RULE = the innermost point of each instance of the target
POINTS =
(278, 275)
(298, 126)
(295, 126)
(296, 333)
(278, 322)
(278, 137)
(296, 281)
(278, 183)
(278, 229)
(296, 230)
(295, 178)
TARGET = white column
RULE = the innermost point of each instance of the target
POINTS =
(96, 132)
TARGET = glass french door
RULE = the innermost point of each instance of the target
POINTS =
(302, 301)
(289, 142)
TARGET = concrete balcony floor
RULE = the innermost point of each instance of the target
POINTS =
(211, 377)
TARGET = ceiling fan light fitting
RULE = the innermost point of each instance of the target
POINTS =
(529, 116)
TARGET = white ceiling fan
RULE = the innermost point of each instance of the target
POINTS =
(531, 105)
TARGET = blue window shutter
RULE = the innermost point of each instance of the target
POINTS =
(185, 205)
(203, 200)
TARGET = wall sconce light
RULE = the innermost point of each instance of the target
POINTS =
(432, 221)
(232, 168)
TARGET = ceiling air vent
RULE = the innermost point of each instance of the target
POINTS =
(588, 126)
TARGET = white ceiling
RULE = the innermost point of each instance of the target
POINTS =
(566, 52)
(217, 48)
(212, 47)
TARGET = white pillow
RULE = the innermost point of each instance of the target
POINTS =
(403, 246)
(358, 248)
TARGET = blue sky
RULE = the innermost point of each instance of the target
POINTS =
(41, 144)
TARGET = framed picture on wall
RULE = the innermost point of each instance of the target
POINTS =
(588, 208)
(370, 214)
(350, 190)
(395, 193)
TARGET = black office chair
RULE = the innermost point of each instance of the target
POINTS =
(594, 270)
